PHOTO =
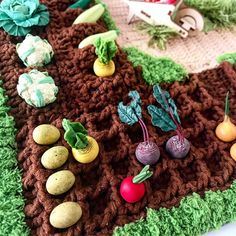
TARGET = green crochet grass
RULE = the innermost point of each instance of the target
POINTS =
(156, 69)
(194, 216)
(229, 57)
(11, 199)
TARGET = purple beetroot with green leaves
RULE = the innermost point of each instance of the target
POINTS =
(167, 119)
(147, 152)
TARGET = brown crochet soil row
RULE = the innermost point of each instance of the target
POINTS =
(93, 101)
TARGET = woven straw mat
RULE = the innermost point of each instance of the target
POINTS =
(196, 53)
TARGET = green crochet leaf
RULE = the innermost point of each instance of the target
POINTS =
(161, 96)
(136, 103)
(75, 134)
(18, 16)
(129, 114)
(126, 114)
(105, 50)
(161, 118)
(166, 102)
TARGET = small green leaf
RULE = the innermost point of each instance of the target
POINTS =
(75, 134)
(158, 93)
(136, 103)
(105, 50)
(174, 109)
(161, 118)
(126, 114)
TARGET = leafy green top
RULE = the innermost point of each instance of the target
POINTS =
(105, 50)
(166, 117)
(75, 134)
(131, 113)
(143, 175)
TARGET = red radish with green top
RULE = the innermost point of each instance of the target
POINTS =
(132, 189)
(167, 119)
(147, 152)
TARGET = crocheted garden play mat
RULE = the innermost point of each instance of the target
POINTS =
(186, 196)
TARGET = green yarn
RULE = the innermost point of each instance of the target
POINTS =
(107, 18)
(11, 199)
(194, 216)
(156, 70)
(229, 57)
(217, 13)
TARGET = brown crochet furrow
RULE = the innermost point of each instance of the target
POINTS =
(93, 101)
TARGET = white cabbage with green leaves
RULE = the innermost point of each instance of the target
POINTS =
(37, 88)
(34, 51)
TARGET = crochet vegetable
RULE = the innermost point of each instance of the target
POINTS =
(34, 51)
(80, 4)
(84, 148)
(132, 189)
(37, 88)
(17, 17)
(226, 130)
(146, 152)
(91, 15)
(105, 50)
(109, 36)
(233, 151)
(168, 119)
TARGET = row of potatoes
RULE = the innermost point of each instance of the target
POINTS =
(68, 213)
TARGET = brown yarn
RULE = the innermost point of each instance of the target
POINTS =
(93, 101)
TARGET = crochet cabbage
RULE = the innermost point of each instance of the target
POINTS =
(18, 16)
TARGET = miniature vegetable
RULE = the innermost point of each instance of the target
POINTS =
(37, 88)
(54, 157)
(80, 4)
(226, 130)
(34, 51)
(109, 36)
(105, 50)
(46, 134)
(60, 182)
(168, 119)
(65, 215)
(18, 17)
(132, 189)
(91, 15)
(233, 151)
(147, 152)
(84, 148)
